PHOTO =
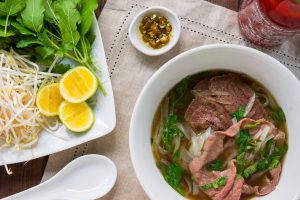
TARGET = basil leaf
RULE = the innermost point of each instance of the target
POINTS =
(33, 15)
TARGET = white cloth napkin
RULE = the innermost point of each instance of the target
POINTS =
(202, 23)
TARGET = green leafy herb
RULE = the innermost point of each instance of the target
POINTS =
(179, 91)
(33, 15)
(278, 116)
(67, 19)
(61, 68)
(173, 175)
(262, 164)
(220, 182)
(9, 8)
(250, 170)
(241, 163)
(26, 42)
(176, 155)
(170, 131)
(251, 125)
(50, 29)
(244, 141)
(22, 29)
(274, 162)
(86, 11)
(239, 113)
(215, 165)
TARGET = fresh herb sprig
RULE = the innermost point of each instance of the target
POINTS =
(50, 30)
(220, 182)
(216, 165)
(239, 113)
(170, 131)
(177, 94)
(173, 174)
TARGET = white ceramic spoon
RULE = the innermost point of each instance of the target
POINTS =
(87, 177)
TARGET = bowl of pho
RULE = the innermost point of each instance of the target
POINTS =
(210, 129)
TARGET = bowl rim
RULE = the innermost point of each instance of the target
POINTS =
(154, 52)
(164, 68)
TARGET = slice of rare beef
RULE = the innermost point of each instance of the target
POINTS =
(210, 177)
(270, 185)
(236, 191)
(218, 97)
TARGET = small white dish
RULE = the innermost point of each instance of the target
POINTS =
(281, 82)
(136, 37)
(87, 177)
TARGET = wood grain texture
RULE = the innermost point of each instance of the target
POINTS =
(30, 174)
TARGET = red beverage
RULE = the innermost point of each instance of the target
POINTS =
(269, 22)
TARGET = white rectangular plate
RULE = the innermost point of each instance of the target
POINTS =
(104, 110)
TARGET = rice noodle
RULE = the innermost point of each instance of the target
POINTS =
(189, 184)
(185, 130)
(185, 155)
(250, 104)
(176, 144)
(265, 141)
(195, 189)
(198, 142)
(262, 137)
(20, 119)
(234, 120)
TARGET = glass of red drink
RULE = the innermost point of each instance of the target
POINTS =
(269, 22)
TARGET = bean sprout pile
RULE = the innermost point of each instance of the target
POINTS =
(20, 119)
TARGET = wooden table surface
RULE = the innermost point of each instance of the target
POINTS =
(30, 174)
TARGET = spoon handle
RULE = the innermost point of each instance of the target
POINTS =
(42, 191)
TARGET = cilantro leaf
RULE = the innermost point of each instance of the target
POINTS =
(176, 155)
(215, 165)
(33, 15)
(178, 92)
(250, 170)
(220, 182)
(278, 116)
(244, 141)
(173, 175)
(239, 113)
(170, 131)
